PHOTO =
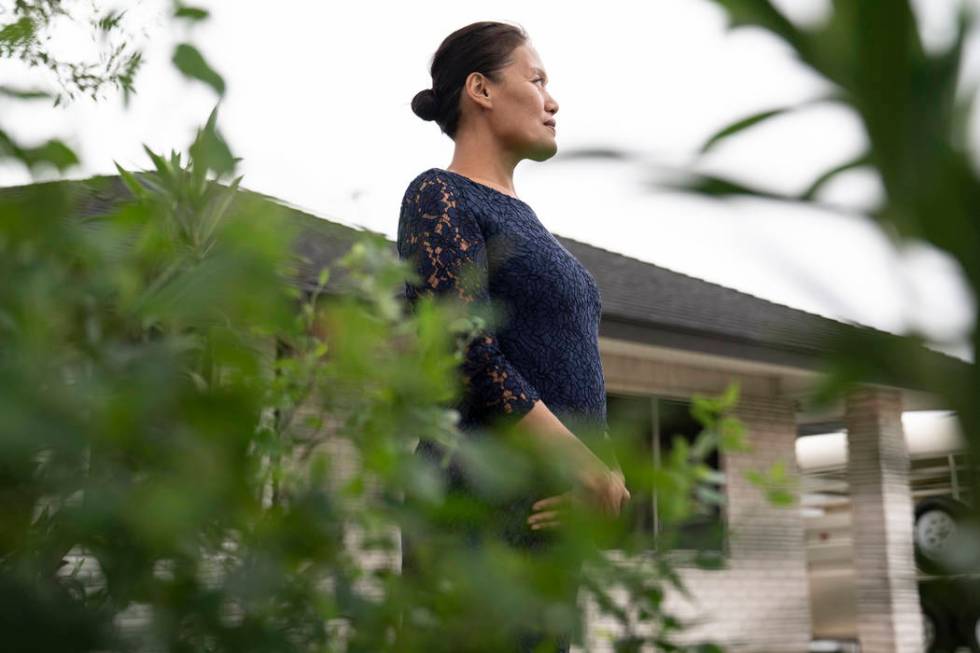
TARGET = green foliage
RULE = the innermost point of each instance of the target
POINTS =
(53, 153)
(780, 489)
(915, 106)
(26, 39)
(193, 14)
(190, 61)
(204, 444)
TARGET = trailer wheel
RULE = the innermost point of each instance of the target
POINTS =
(940, 532)
(928, 630)
(970, 627)
(937, 631)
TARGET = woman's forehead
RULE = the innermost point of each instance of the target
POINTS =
(526, 60)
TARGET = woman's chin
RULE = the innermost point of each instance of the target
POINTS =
(544, 151)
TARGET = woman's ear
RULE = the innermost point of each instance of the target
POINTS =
(477, 87)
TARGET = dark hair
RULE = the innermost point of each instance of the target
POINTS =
(484, 47)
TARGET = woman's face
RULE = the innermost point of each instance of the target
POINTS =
(522, 106)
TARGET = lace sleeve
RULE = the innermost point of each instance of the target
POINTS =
(445, 244)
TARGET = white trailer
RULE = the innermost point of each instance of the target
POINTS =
(947, 544)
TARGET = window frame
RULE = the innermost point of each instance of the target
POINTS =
(685, 557)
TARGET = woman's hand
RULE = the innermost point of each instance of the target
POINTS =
(549, 510)
(606, 489)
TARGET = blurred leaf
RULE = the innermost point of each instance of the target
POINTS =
(191, 13)
(135, 187)
(607, 153)
(110, 21)
(20, 31)
(23, 94)
(189, 61)
(750, 121)
(779, 487)
(53, 153)
(209, 151)
(858, 162)
(732, 435)
(718, 187)
(761, 13)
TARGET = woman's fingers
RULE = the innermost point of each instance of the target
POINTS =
(542, 516)
(544, 519)
(550, 501)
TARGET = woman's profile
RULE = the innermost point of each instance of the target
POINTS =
(468, 235)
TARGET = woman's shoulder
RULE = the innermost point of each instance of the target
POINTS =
(435, 186)
(436, 202)
(430, 175)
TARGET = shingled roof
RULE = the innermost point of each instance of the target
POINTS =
(642, 302)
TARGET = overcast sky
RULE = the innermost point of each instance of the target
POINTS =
(318, 105)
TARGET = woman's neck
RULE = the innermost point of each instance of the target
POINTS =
(479, 158)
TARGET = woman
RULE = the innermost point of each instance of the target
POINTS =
(469, 236)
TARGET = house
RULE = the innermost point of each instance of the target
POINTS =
(665, 335)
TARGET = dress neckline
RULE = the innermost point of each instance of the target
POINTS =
(490, 188)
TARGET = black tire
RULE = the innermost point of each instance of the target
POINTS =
(969, 628)
(937, 520)
(937, 630)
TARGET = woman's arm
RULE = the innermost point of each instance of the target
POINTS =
(443, 240)
(612, 454)
(547, 431)
(604, 486)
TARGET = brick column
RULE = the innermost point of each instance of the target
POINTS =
(759, 602)
(888, 615)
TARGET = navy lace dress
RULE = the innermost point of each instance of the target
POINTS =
(471, 241)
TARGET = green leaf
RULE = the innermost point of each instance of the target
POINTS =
(709, 648)
(191, 13)
(189, 61)
(24, 94)
(19, 32)
(110, 21)
(709, 475)
(719, 187)
(729, 397)
(732, 432)
(704, 444)
(159, 163)
(781, 497)
(54, 153)
(761, 13)
(709, 560)
(777, 472)
(135, 187)
(810, 193)
(703, 409)
(209, 151)
(741, 125)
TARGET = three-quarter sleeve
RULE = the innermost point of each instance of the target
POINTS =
(444, 243)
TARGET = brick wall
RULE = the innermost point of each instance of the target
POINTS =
(759, 602)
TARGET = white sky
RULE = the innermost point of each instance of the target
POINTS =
(318, 106)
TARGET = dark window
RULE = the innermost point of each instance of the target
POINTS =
(653, 423)
(632, 416)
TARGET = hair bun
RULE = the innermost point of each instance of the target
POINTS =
(425, 104)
